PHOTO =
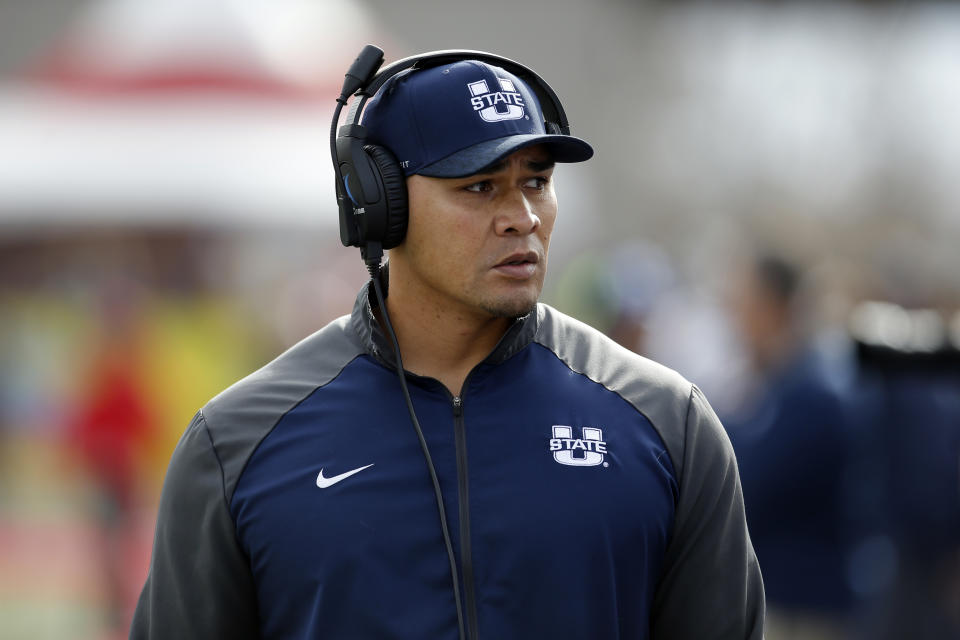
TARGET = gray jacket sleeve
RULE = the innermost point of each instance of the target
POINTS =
(200, 585)
(711, 585)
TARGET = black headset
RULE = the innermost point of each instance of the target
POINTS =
(370, 185)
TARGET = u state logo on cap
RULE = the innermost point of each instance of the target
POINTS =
(495, 106)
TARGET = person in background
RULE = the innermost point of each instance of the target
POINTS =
(790, 436)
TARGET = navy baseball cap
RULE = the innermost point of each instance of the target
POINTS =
(456, 119)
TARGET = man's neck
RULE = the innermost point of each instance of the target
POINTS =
(440, 342)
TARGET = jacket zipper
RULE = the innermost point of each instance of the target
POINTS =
(463, 489)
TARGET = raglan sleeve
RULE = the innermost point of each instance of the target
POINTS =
(199, 584)
(710, 586)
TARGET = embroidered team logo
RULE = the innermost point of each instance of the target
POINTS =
(587, 451)
(494, 106)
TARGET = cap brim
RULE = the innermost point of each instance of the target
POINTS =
(476, 158)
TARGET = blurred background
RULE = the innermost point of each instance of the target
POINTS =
(773, 210)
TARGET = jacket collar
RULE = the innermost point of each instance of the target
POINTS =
(377, 344)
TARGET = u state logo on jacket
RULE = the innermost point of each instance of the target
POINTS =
(586, 451)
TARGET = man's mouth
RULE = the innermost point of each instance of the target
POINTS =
(519, 265)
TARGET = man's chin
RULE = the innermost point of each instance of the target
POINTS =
(511, 309)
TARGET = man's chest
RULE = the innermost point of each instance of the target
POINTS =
(551, 486)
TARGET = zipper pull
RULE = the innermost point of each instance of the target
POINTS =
(457, 406)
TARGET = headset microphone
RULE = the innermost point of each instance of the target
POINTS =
(361, 71)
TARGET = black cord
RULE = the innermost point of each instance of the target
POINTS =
(333, 139)
(374, 269)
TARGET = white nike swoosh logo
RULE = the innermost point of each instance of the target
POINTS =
(323, 483)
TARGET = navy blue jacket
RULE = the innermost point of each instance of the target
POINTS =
(590, 494)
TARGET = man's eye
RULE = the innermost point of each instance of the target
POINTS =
(537, 183)
(479, 187)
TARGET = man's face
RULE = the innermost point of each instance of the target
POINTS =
(478, 245)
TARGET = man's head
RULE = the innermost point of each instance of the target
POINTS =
(477, 157)
(764, 296)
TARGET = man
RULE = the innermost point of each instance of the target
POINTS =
(592, 494)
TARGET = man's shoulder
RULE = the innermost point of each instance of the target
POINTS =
(661, 394)
(590, 352)
(282, 383)
(238, 418)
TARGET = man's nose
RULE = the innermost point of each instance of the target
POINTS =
(515, 215)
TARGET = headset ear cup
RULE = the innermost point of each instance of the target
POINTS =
(395, 190)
